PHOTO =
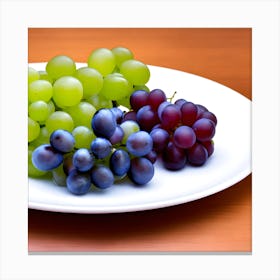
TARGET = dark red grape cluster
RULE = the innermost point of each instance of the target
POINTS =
(182, 131)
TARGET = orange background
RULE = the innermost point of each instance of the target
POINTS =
(219, 223)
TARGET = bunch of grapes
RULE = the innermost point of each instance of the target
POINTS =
(120, 149)
(182, 132)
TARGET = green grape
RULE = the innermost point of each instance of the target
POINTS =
(129, 127)
(59, 120)
(83, 137)
(67, 91)
(135, 71)
(45, 76)
(82, 113)
(142, 87)
(58, 175)
(33, 129)
(91, 80)
(116, 87)
(32, 170)
(60, 66)
(51, 107)
(99, 101)
(40, 90)
(38, 111)
(43, 137)
(125, 102)
(103, 60)
(122, 54)
(33, 75)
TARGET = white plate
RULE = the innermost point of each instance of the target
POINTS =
(230, 163)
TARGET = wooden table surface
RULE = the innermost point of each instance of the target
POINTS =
(219, 223)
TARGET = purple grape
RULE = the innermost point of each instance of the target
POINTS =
(184, 137)
(62, 140)
(160, 139)
(200, 110)
(101, 147)
(151, 156)
(119, 162)
(204, 129)
(174, 158)
(170, 116)
(209, 145)
(189, 113)
(197, 154)
(131, 116)
(117, 136)
(102, 177)
(147, 118)
(161, 107)
(46, 158)
(180, 102)
(155, 98)
(210, 116)
(139, 143)
(141, 170)
(78, 183)
(118, 113)
(138, 99)
(83, 160)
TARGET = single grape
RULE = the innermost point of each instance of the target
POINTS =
(174, 158)
(116, 87)
(117, 137)
(151, 156)
(128, 128)
(210, 116)
(121, 54)
(147, 118)
(104, 123)
(67, 91)
(33, 130)
(101, 147)
(136, 72)
(130, 115)
(59, 66)
(40, 90)
(204, 129)
(82, 113)
(170, 116)
(180, 102)
(62, 141)
(83, 160)
(78, 183)
(102, 177)
(155, 98)
(32, 170)
(59, 120)
(45, 76)
(197, 154)
(46, 158)
(138, 99)
(99, 102)
(209, 145)
(103, 60)
(39, 111)
(119, 162)
(161, 107)
(68, 165)
(200, 110)
(139, 143)
(83, 137)
(33, 75)
(91, 80)
(184, 137)
(118, 113)
(189, 113)
(141, 170)
(59, 176)
(160, 139)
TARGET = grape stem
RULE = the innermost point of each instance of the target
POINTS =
(172, 97)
